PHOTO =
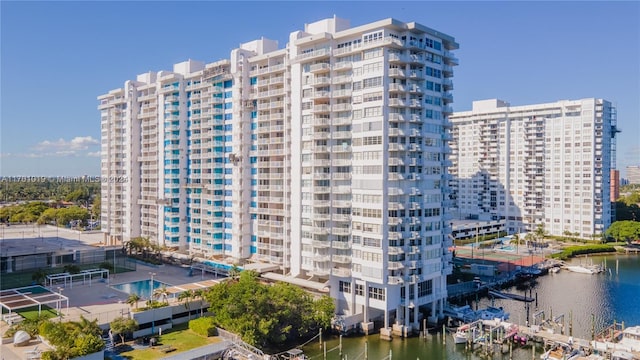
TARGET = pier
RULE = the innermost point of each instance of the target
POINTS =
(491, 336)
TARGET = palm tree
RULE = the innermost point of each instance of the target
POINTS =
(234, 272)
(162, 293)
(199, 294)
(38, 276)
(87, 326)
(133, 300)
(186, 296)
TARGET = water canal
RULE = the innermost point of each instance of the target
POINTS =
(613, 295)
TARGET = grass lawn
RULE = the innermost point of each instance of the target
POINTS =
(180, 337)
(32, 312)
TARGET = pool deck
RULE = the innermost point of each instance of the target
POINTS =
(100, 301)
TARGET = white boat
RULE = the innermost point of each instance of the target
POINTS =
(581, 269)
(559, 352)
(462, 334)
(492, 313)
(622, 355)
(631, 338)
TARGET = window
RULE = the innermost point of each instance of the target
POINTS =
(345, 287)
(372, 82)
(372, 53)
(372, 111)
(359, 290)
(375, 96)
(372, 37)
(376, 293)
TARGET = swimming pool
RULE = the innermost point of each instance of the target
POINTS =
(141, 287)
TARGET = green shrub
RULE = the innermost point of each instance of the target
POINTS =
(572, 251)
(203, 326)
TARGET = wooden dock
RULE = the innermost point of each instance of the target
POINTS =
(500, 333)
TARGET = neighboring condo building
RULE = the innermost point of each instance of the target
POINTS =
(633, 174)
(326, 158)
(537, 164)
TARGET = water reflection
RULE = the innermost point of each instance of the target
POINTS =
(609, 296)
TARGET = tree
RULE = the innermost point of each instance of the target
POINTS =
(133, 300)
(200, 294)
(540, 232)
(186, 296)
(162, 293)
(122, 326)
(624, 230)
(71, 269)
(234, 272)
(38, 276)
(267, 315)
(95, 206)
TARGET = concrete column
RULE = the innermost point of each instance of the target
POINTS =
(416, 323)
(366, 302)
(9, 264)
(406, 305)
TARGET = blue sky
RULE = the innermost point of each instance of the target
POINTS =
(57, 57)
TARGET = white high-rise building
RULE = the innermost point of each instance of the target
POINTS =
(327, 158)
(537, 164)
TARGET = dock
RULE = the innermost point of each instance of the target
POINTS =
(499, 334)
(503, 295)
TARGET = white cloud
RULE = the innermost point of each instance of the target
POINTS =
(77, 143)
(94, 154)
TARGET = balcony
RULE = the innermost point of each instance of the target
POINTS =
(397, 73)
(397, 117)
(342, 65)
(397, 58)
(319, 68)
(395, 102)
(447, 71)
(314, 54)
(322, 108)
(341, 259)
(322, 94)
(450, 59)
(395, 265)
(321, 80)
(320, 244)
(397, 88)
(341, 79)
(341, 272)
(341, 107)
(341, 93)
(395, 280)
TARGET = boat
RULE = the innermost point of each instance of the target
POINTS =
(581, 269)
(462, 334)
(554, 270)
(559, 352)
(295, 354)
(631, 339)
(462, 313)
(492, 313)
(622, 355)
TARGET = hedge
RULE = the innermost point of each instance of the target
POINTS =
(203, 326)
(580, 250)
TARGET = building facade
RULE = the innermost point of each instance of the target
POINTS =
(633, 174)
(327, 158)
(545, 164)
